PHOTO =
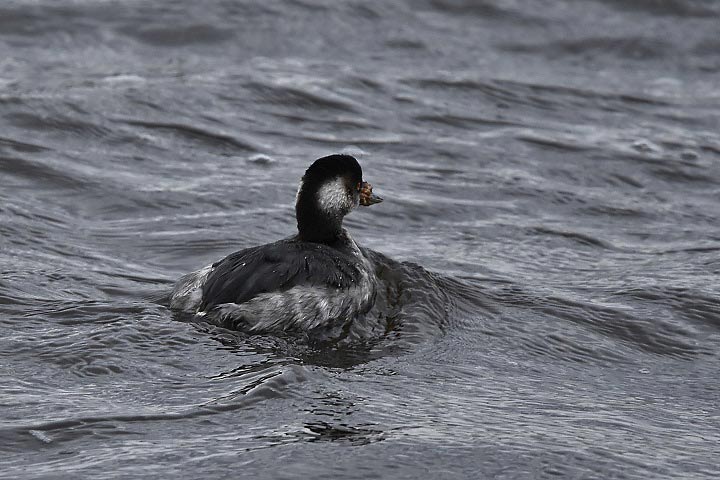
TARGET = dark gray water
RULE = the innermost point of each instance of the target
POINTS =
(554, 167)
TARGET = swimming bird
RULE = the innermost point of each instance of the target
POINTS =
(315, 278)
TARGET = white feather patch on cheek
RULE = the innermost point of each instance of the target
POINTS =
(333, 197)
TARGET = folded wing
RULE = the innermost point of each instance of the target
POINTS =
(277, 267)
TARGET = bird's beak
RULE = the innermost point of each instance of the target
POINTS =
(367, 197)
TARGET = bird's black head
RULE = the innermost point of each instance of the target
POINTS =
(331, 187)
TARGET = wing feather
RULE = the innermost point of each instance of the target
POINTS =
(277, 267)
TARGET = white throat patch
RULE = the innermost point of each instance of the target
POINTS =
(333, 197)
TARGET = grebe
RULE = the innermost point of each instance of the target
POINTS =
(318, 277)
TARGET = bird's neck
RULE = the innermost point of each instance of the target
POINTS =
(314, 225)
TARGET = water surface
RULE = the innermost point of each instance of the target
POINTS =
(553, 168)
